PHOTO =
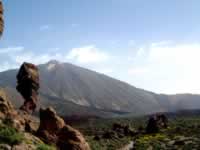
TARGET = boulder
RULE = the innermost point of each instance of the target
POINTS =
(162, 121)
(152, 126)
(28, 85)
(69, 138)
(157, 122)
(53, 130)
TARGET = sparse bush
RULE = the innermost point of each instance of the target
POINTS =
(10, 136)
(45, 147)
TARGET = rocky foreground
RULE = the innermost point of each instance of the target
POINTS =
(19, 130)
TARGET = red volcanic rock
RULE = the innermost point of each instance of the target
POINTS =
(69, 138)
(53, 130)
(28, 85)
(50, 125)
(18, 119)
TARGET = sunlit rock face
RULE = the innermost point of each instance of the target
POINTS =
(28, 86)
(53, 130)
(6, 108)
(17, 119)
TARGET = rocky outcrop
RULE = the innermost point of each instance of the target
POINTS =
(156, 123)
(28, 85)
(6, 108)
(152, 126)
(18, 119)
(53, 130)
(162, 121)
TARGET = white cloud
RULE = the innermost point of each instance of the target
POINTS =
(130, 58)
(7, 65)
(104, 70)
(140, 52)
(83, 56)
(36, 59)
(87, 54)
(11, 49)
(161, 43)
(45, 27)
(137, 71)
(169, 68)
(187, 55)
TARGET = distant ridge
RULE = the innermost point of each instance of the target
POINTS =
(73, 90)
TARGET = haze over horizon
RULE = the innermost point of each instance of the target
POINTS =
(152, 45)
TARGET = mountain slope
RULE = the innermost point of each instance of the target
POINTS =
(75, 90)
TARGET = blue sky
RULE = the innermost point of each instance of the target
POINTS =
(151, 44)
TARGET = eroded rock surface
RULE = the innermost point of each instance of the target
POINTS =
(18, 119)
(54, 130)
(6, 108)
(28, 85)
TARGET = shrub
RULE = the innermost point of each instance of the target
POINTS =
(10, 136)
(45, 147)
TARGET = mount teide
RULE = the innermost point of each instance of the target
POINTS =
(73, 90)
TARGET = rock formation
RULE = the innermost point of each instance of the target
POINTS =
(156, 123)
(152, 126)
(18, 119)
(162, 121)
(28, 85)
(6, 108)
(53, 130)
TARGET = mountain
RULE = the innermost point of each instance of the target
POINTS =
(73, 90)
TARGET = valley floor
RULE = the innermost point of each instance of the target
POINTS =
(183, 133)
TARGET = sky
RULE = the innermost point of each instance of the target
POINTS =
(151, 44)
